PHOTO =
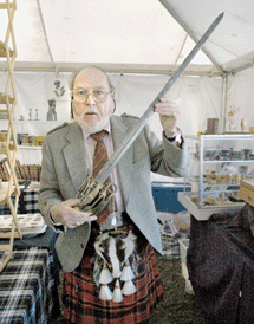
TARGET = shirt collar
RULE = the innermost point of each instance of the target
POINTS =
(106, 128)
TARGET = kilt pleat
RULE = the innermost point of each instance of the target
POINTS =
(83, 306)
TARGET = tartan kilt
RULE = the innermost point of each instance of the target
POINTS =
(80, 293)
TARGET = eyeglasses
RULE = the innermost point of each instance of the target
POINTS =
(81, 95)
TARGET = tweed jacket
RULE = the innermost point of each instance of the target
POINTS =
(64, 170)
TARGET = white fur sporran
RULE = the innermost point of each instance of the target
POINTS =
(115, 265)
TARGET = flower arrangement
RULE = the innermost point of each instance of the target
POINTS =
(59, 90)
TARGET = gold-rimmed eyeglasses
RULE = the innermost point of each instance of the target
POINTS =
(98, 95)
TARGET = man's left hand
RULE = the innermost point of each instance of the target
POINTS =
(170, 112)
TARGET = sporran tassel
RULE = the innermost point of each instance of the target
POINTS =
(129, 288)
(105, 293)
(105, 275)
(117, 293)
(127, 273)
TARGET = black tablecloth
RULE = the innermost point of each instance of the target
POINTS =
(221, 270)
(26, 288)
(44, 240)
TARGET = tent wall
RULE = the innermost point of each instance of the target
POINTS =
(240, 95)
(200, 97)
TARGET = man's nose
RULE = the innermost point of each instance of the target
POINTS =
(89, 99)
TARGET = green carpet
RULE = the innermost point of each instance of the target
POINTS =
(178, 307)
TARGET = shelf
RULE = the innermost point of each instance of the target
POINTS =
(204, 213)
(234, 137)
(36, 121)
(26, 147)
(214, 185)
(228, 161)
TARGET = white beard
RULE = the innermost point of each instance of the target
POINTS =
(91, 128)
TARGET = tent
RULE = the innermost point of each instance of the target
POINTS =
(140, 43)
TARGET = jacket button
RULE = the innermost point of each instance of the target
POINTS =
(82, 246)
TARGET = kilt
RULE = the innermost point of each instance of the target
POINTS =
(80, 293)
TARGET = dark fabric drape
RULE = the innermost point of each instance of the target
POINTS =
(221, 270)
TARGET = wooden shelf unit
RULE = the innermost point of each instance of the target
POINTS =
(10, 146)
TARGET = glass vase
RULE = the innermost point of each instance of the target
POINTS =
(51, 113)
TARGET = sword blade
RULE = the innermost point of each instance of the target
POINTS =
(134, 132)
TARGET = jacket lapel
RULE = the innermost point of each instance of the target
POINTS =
(74, 153)
(119, 131)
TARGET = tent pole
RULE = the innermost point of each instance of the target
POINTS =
(190, 32)
(224, 102)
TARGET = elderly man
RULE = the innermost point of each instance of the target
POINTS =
(110, 269)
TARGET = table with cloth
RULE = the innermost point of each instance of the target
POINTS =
(26, 286)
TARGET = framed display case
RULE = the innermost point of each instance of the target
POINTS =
(219, 163)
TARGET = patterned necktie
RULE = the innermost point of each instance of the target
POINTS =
(99, 159)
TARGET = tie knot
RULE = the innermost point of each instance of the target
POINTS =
(99, 136)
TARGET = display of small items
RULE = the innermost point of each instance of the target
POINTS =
(212, 177)
(27, 172)
(25, 139)
(29, 223)
(228, 155)
(36, 115)
(224, 199)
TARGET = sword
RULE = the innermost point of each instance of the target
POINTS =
(132, 135)
(93, 194)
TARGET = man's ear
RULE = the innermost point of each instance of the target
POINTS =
(114, 101)
(72, 114)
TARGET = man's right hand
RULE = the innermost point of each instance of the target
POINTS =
(68, 216)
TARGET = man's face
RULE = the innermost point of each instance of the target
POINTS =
(91, 113)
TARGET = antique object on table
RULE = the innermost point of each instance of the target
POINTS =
(213, 126)
(29, 224)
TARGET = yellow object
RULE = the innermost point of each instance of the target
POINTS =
(2, 137)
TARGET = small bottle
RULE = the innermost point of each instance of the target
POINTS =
(30, 115)
(243, 124)
(36, 115)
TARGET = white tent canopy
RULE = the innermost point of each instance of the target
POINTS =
(141, 36)
(131, 35)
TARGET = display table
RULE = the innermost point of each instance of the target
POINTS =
(221, 271)
(26, 286)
